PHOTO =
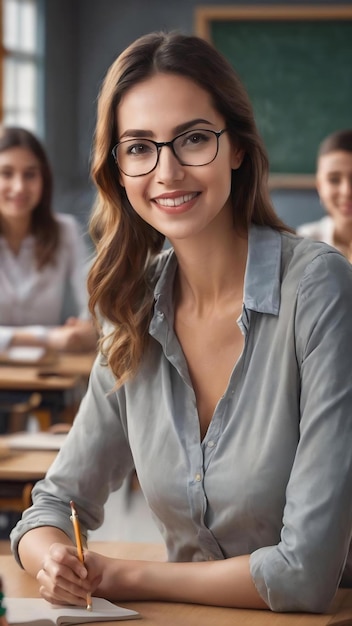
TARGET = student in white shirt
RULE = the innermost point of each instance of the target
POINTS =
(334, 185)
(42, 256)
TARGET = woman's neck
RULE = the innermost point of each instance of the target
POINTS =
(209, 275)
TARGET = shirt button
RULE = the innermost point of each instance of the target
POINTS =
(211, 444)
(197, 478)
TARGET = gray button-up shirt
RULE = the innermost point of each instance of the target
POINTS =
(272, 477)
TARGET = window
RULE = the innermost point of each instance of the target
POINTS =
(22, 64)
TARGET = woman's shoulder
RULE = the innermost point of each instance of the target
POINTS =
(306, 260)
(306, 248)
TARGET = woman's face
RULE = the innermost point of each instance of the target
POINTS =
(180, 201)
(21, 183)
(334, 184)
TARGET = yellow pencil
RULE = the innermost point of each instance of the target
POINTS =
(77, 530)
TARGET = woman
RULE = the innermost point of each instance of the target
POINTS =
(334, 185)
(238, 433)
(41, 254)
(41, 257)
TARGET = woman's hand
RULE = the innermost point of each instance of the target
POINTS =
(63, 579)
(74, 336)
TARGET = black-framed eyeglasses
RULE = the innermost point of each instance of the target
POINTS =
(138, 157)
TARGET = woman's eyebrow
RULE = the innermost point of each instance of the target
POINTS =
(180, 128)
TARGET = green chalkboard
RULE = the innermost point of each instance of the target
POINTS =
(298, 74)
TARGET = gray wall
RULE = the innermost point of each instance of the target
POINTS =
(83, 37)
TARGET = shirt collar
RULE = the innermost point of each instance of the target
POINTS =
(262, 277)
(262, 283)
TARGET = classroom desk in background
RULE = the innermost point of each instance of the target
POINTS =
(25, 465)
(19, 471)
(67, 373)
(19, 584)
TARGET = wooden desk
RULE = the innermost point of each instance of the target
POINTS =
(18, 473)
(25, 465)
(19, 584)
(67, 372)
(76, 364)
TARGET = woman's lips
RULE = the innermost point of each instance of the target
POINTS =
(176, 204)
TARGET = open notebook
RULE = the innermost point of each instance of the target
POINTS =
(21, 611)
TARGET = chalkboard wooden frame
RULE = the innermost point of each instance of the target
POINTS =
(205, 16)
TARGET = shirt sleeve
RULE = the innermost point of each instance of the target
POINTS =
(303, 571)
(93, 461)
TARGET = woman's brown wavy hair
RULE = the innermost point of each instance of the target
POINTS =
(118, 281)
(44, 226)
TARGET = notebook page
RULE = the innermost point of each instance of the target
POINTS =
(21, 611)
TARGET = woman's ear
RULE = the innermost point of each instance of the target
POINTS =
(236, 157)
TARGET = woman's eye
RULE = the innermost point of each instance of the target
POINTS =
(195, 138)
(140, 149)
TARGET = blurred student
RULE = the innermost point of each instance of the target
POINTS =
(334, 185)
(215, 383)
(41, 254)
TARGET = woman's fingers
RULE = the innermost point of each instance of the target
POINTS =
(63, 578)
(60, 591)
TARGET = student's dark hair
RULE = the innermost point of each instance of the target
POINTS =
(339, 140)
(125, 243)
(44, 226)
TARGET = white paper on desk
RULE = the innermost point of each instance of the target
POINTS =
(36, 441)
(25, 354)
(21, 611)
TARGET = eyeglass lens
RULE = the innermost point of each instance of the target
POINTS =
(136, 157)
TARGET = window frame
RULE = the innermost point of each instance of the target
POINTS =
(36, 58)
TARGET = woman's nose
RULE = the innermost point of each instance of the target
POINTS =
(18, 183)
(168, 167)
(346, 186)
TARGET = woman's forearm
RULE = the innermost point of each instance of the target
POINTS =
(219, 583)
(35, 544)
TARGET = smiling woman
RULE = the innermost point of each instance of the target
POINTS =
(41, 253)
(214, 380)
(187, 167)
